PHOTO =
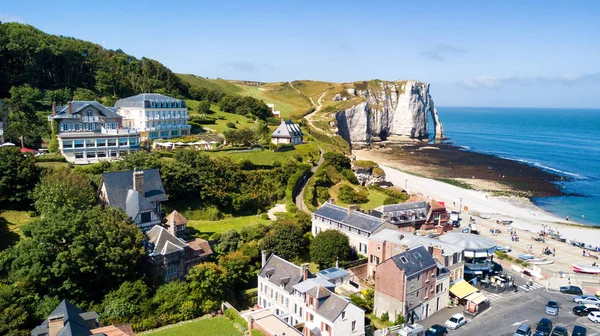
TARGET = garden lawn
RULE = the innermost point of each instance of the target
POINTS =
(16, 219)
(209, 227)
(376, 198)
(51, 164)
(267, 157)
(220, 126)
(206, 327)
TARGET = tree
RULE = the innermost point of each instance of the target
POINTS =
(65, 189)
(328, 246)
(170, 297)
(228, 242)
(339, 161)
(23, 121)
(237, 266)
(346, 194)
(126, 301)
(203, 108)
(79, 256)
(18, 175)
(285, 240)
(208, 285)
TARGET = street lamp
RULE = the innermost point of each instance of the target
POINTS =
(406, 184)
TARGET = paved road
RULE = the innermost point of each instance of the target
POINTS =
(300, 197)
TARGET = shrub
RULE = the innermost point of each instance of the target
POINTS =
(349, 175)
(390, 200)
(230, 124)
(399, 319)
(236, 318)
(264, 216)
(323, 194)
(385, 316)
(246, 164)
(53, 157)
(346, 194)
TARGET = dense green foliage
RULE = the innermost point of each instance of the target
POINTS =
(329, 246)
(63, 189)
(18, 175)
(50, 62)
(339, 161)
(349, 196)
(245, 106)
(285, 240)
(394, 196)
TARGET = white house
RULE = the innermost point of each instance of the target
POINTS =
(276, 113)
(306, 302)
(358, 226)
(88, 132)
(155, 116)
(287, 133)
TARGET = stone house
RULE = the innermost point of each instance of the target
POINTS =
(287, 133)
(407, 284)
(172, 257)
(176, 223)
(138, 192)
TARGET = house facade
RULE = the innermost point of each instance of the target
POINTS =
(406, 284)
(155, 116)
(357, 225)
(306, 302)
(139, 193)
(287, 133)
(88, 132)
(417, 215)
(172, 257)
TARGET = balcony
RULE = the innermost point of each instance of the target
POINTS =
(90, 119)
(112, 131)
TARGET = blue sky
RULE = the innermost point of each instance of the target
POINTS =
(474, 53)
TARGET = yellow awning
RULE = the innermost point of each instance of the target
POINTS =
(462, 288)
(476, 298)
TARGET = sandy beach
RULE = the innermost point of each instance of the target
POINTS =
(524, 214)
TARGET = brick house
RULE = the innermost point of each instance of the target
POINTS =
(407, 284)
(415, 214)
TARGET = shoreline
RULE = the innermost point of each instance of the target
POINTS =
(521, 210)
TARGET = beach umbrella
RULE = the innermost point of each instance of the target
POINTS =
(8, 144)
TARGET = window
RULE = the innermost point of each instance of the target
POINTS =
(68, 144)
(78, 143)
(327, 328)
(271, 293)
(171, 270)
(112, 142)
(101, 154)
(378, 248)
(353, 325)
(89, 113)
(403, 259)
(132, 141)
(113, 153)
(295, 308)
(145, 217)
(79, 155)
(343, 315)
(310, 317)
(77, 126)
(90, 143)
(152, 104)
(122, 141)
(101, 143)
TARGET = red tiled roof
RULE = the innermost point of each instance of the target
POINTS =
(179, 219)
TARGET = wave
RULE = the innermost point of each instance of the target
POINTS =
(541, 166)
(465, 147)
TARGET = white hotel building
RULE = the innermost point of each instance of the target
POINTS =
(155, 116)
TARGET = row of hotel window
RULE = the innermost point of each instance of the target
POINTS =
(99, 143)
(165, 134)
(159, 123)
(165, 103)
(99, 155)
(165, 114)
(86, 126)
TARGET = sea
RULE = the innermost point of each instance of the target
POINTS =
(560, 140)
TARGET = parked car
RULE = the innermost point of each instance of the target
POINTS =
(594, 317)
(585, 309)
(589, 300)
(579, 331)
(544, 327)
(584, 296)
(456, 321)
(559, 331)
(552, 308)
(571, 290)
(436, 330)
(523, 330)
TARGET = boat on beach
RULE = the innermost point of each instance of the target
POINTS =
(542, 262)
(586, 269)
(526, 256)
(486, 216)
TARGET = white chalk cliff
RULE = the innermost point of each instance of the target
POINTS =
(392, 110)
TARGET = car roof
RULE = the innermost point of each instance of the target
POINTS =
(524, 327)
(545, 320)
(560, 328)
(457, 315)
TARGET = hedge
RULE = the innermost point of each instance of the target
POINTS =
(53, 157)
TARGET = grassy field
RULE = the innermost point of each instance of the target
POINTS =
(214, 84)
(376, 198)
(52, 164)
(267, 157)
(16, 219)
(205, 327)
(240, 121)
(210, 227)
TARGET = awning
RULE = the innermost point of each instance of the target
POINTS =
(462, 288)
(476, 298)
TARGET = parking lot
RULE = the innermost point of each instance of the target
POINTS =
(509, 309)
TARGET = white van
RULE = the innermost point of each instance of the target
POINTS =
(412, 330)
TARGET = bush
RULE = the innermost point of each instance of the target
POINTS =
(53, 157)
(399, 319)
(323, 194)
(264, 216)
(230, 124)
(246, 164)
(385, 316)
(346, 194)
(349, 175)
(236, 318)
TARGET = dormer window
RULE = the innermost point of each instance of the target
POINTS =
(89, 113)
(152, 104)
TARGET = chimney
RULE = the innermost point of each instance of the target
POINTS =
(337, 262)
(172, 226)
(331, 200)
(70, 108)
(138, 181)
(53, 108)
(369, 211)
(264, 258)
(304, 272)
(55, 325)
(351, 208)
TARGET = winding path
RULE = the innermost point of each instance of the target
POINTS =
(300, 197)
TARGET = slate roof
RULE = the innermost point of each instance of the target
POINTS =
(79, 105)
(143, 101)
(414, 261)
(118, 185)
(287, 129)
(177, 217)
(318, 292)
(162, 242)
(403, 207)
(355, 219)
(332, 307)
(412, 241)
(74, 321)
(333, 273)
(279, 270)
(305, 285)
(136, 203)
